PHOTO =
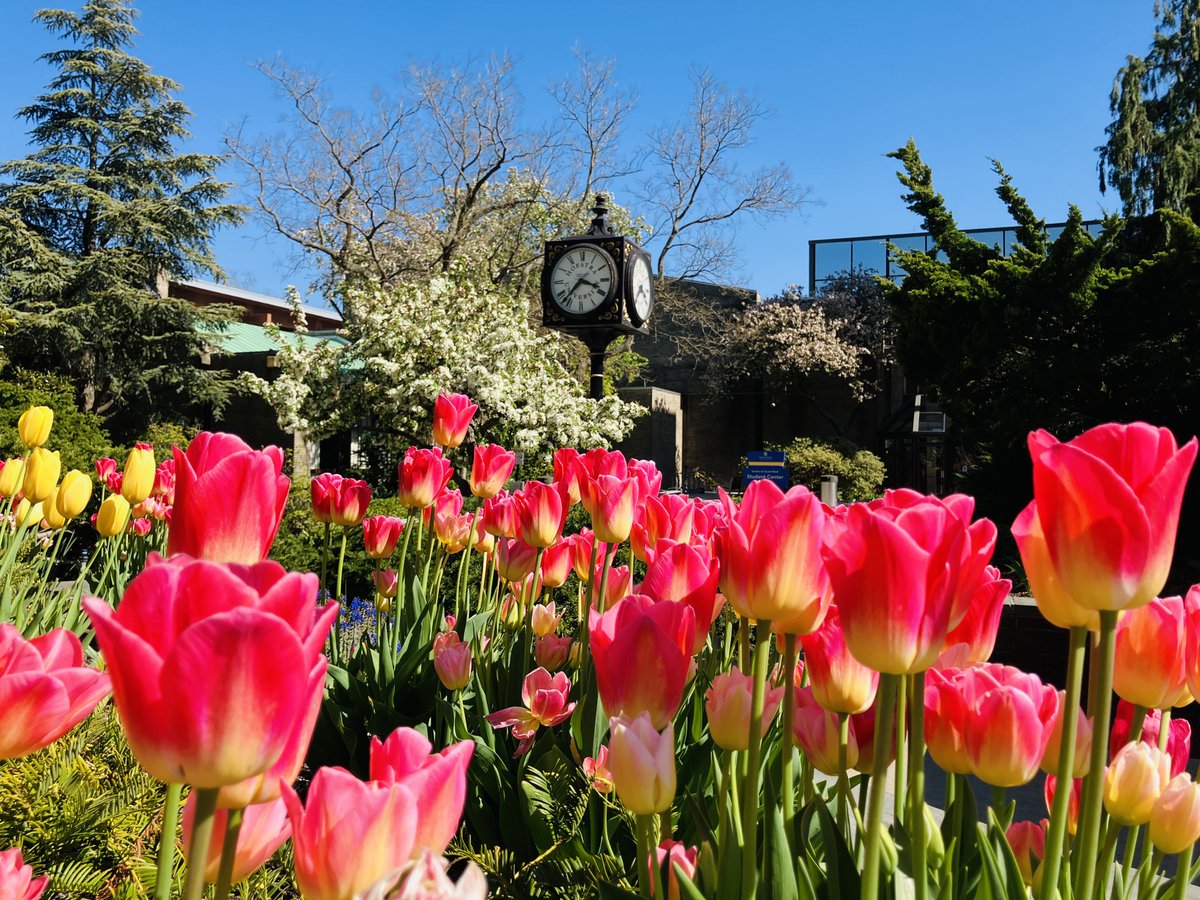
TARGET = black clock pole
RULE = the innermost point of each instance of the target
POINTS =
(597, 343)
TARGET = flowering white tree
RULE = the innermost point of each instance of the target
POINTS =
(407, 343)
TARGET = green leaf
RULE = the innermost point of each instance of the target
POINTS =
(780, 881)
(612, 892)
(842, 876)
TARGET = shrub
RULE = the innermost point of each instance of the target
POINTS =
(79, 437)
(860, 472)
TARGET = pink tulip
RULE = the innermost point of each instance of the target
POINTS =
(265, 826)
(452, 662)
(1179, 734)
(770, 552)
(213, 666)
(863, 724)
(1052, 599)
(642, 762)
(947, 718)
(568, 470)
(481, 541)
(670, 854)
(514, 559)
(438, 781)
(616, 588)
(1081, 761)
(683, 574)
(1048, 790)
(348, 834)
(164, 481)
(642, 651)
(1028, 842)
(430, 880)
(45, 690)
(350, 502)
(840, 682)
(1150, 664)
(106, 472)
(669, 516)
(556, 564)
(893, 572)
(541, 512)
(545, 698)
(381, 534)
(387, 582)
(1191, 606)
(974, 638)
(1108, 502)
(597, 770)
(229, 500)
(423, 474)
(816, 732)
(649, 479)
(610, 501)
(491, 468)
(583, 545)
(452, 414)
(16, 878)
(322, 492)
(1012, 725)
(1175, 819)
(500, 516)
(551, 652)
(727, 706)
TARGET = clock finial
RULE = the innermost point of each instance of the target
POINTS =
(600, 224)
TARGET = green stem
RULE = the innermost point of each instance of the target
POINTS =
(723, 801)
(325, 561)
(843, 786)
(202, 826)
(886, 700)
(1056, 835)
(1183, 867)
(1164, 728)
(1131, 842)
(786, 754)
(1108, 854)
(1147, 871)
(1089, 811)
(166, 842)
(762, 650)
(233, 827)
(645, 869)
(917, 783)
(900, 797)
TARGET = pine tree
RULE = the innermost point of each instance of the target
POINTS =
(1152, 157)
(97, 218)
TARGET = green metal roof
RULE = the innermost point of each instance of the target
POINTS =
(239, 337)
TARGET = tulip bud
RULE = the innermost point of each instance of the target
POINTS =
(387, 582)
(727, 705)
(544, 620)
(452, 414)
(453, 665)
(1134, 782)
(34, 425)
(1175, 819)
(113, 516)
(11, 474)
(137, 478)
(73, 494)
(642, 763)
(1028, 842)
(597, 770)
(551, 652)
(28, 513)
(51, 517)
(42, 469)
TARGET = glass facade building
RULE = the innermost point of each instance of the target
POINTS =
(833, 256)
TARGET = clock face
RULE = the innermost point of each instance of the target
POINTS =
(641, 291)
(582, 279)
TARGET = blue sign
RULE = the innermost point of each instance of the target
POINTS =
(768, 464)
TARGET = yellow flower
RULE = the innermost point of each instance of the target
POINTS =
(113, 516)
(28, 513)
(10, 476)
(73, 494)
(34, 425)
(42, 469)
(138, 480)
(50, 515)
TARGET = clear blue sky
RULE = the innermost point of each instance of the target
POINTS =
(1026, 82)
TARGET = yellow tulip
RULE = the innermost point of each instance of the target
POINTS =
(10, 476)
(51, 517)
(34, 425)
(138, 480)
(73, 494)
(41, 474)
(28, 513)
(113, 516)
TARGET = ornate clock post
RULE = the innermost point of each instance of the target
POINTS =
(597, 286)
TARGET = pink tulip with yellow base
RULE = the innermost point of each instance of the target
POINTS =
(1150, 659)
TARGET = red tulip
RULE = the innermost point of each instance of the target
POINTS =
(642, 651)
(16, 878)
(1150, 661)
(45, 690)
(491, 468)
(500, 516)
(452, 414)
(229, 500)
(1108, 503)
(514, 559)
(893, 572)
(213, 665)
(599, 461)
(973, 639)
(667, 516)
(1055, 604)
(770, 552)
(839, 681)
(568, 470)
(610, 501)
(556, 564)
(381, 534)
(545, 698)
(348, 833)
(682, 574)
(541, 513)
(423, 474)
(437, 780)
(265, 826)
(1028, 842)
(387, 582)
(350, 502)
(323, 492)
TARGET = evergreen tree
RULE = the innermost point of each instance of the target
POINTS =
(97, 219)
(1152, 157)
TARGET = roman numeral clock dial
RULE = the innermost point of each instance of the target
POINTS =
(582, 280)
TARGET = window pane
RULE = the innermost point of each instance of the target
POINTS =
(991, 238)
(870, 255)
(831, 258)
(1053, 232)
(904, 243)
